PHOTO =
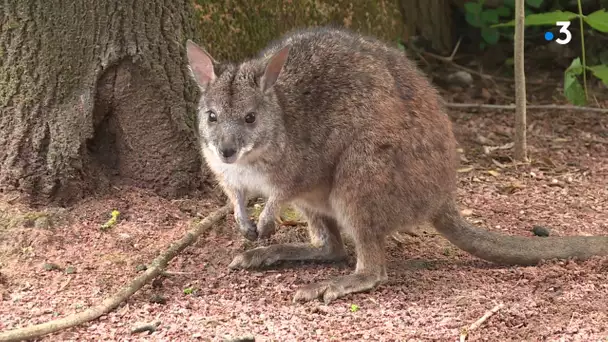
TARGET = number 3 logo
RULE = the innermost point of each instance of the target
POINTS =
(564, 29)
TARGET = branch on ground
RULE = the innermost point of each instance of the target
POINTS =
(156, 268)
(464, 334)
(512, 107)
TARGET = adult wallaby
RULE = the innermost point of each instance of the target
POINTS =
(348, 130)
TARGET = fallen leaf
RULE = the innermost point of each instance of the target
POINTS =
(483, 140)
(494, 173)
(499, 164)
(512, 187)
(465, 169)
(466, 212)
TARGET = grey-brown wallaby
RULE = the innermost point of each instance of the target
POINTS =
(347, 130)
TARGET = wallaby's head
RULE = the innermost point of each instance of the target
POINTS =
(238, 115)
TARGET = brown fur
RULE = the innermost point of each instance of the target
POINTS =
(348, 130)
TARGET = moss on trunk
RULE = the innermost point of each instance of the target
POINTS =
(233, 30)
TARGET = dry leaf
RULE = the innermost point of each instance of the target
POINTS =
(465, 169)
(494, 173)
(512, 187)
(483, 140)
(466, 212)
(499, 164)
(489, 149)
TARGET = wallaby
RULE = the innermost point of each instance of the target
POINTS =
(346, 129)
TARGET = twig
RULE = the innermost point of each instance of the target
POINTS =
(455, 49)
(520, 152)
(124, 293)
(465, 331)
(450, 60)
(62, 287)
(512, 107)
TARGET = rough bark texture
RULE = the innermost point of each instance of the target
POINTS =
(95, 91)
(431, 19)
(246, 26)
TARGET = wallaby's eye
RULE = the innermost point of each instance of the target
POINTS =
(250, 118)
(211, 116)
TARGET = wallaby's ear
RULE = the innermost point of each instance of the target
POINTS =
(274, 67)
(201, 64)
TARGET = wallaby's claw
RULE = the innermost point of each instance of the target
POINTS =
(266, 228)
(253, 258)
(247, 228)
(333, 289)
(249, 234)
(314, 291)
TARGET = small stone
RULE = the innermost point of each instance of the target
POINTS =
(49, 266)
(461, 78)
(70, 270)
(42, 222)
(541, 231)
(240, 339)
(141, 327)
(158, 299)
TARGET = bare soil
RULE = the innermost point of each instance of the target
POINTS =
(434, 289)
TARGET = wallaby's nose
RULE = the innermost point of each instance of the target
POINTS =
(227, 152)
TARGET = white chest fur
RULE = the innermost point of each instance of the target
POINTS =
(238, 176)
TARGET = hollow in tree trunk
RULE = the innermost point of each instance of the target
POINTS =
(94, 92)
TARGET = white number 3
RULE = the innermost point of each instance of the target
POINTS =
(564, 29)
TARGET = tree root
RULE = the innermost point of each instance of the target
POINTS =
(156, 268)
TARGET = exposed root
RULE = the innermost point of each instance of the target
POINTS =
(156, 268)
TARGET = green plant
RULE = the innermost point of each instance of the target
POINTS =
(112, 221)
(574, 91)
(486, 19)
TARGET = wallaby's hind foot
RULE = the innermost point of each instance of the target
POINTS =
(266, 256)
(325, 245)
(332, 289)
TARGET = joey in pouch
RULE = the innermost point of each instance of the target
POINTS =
(347, 130)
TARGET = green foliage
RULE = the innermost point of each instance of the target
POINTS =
(488, 19)
(354, 308)
(112, 221)
(574, 91)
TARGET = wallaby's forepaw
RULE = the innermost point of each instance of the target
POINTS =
(266, 227)
(253, 258)
(333, 289)
(247, 228)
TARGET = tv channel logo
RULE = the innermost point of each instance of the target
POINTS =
(563, 25)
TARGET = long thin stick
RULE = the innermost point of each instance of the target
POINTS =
(465, 332)
(580, 19)
(512, 107)
(521, 146)
(110, 303)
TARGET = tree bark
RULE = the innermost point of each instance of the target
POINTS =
(431, 19)
(96, 92)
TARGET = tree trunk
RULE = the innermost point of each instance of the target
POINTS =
(96, 92)
(431, 19)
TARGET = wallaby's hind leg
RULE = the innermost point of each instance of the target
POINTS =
(370, 272)
(325, 245)
(368, 202)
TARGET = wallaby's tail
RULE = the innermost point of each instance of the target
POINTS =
(514, 250)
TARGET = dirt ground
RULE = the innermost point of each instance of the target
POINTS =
(57, 262)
